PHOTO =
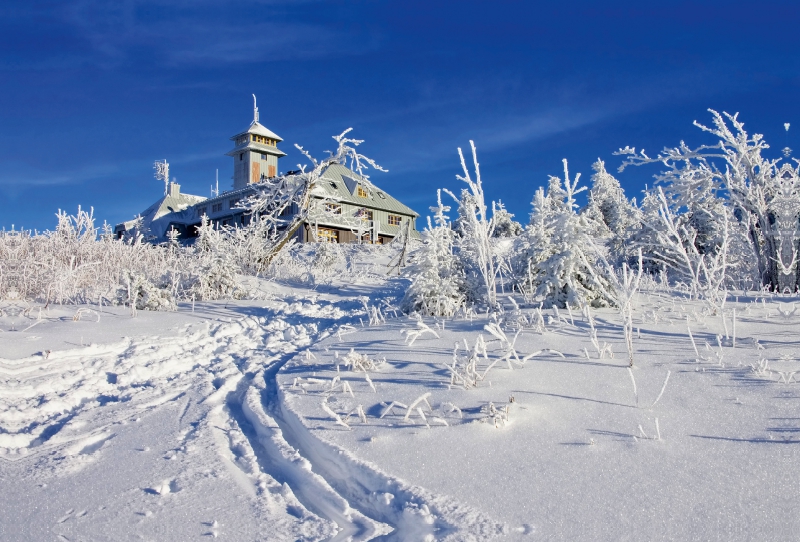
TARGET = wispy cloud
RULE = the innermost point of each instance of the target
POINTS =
(178, 34)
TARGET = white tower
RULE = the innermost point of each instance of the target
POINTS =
(255, 155)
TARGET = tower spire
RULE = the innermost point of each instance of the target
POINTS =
(255, 109)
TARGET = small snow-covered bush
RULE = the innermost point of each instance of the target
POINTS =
(142, 294)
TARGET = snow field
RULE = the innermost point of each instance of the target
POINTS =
(685, 445)
(68, 419)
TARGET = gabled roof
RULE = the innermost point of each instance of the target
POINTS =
(173, 206)
(259, 129)
(344, 188)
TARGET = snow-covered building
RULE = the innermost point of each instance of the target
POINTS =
(345, 207)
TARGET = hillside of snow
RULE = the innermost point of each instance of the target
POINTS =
(322, 412)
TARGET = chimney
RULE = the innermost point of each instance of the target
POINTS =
(174, 189)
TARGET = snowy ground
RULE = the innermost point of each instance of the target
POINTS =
(174, 426)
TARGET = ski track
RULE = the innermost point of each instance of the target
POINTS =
(268, 449)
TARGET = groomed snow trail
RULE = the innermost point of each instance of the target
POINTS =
(62, 409)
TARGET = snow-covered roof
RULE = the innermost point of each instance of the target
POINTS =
(167, 209)
(340, 183)
(259, 129)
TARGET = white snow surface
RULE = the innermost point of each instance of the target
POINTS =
(246, 421)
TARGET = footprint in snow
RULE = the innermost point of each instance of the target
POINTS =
(164, 488)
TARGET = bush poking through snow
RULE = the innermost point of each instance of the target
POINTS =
(499, 417)
(359, 362)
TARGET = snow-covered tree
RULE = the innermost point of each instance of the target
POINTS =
(556, 258)
(476, 231)
(504, 223)
(610, 209)
(437, 287)
(763, 197)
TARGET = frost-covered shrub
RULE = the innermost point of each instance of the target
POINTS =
(73, 264)
(327, 259)
(216, 280)
(142, 294)
(475, 243)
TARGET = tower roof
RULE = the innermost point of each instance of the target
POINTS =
(259, 129)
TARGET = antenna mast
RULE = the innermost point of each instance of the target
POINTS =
(162, 174)
(255, 109)
(786, 150)
(215, 193)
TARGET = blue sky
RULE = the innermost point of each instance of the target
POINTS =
(92, 92)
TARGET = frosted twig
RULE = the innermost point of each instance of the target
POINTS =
(390, 407)
(334, 415)
(662, 390)
(633, 380)
(369, 381)
(418, 400)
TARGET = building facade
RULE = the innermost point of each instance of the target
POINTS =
(344, 206)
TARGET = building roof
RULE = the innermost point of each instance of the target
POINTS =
(175, 206)
(344, 189)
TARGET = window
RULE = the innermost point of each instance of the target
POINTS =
(333, 185)
(380, 195)
(333, 208)
(263, 156)
(394, 220)
(365, 214)
(327, 235)
(361, 192)
(241, 156)
(201, 211)
(217, 207)
(232, 203)
(259, 139)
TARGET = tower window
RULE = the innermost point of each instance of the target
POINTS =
(241, 156)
